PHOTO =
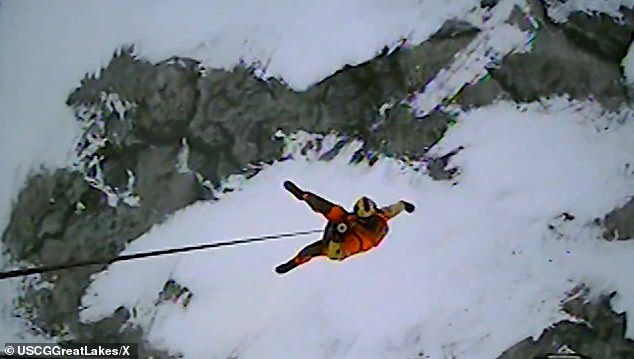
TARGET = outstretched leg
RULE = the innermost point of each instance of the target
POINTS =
(294, 190)
(312, 250)
(318, 204)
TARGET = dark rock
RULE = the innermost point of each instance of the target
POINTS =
(41, 211)
(619, 224)
(240, 123)
(165, 94)
(120, 133)
(454, 28)
(35, 304)
(390, 77)
(534, 20)
(601, 34)
(437, 166)
(166, 110)
(52, 225)
(98, 233)
(602, 337)
(400, 134)
(110, 330)
(209, 135)
(115, 168)
(66, 296)
(159, 185)
(488, 3)
(537, 74)
(481, 93)
(598, 33)
(530, 76)
(206, 164)
(334, 151)
(126, 75)
(567, 216)
(54, 252)
(423, 62)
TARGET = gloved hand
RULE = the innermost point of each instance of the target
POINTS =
(409, 208)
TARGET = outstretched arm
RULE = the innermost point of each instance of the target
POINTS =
(395, 209)
(331, 211)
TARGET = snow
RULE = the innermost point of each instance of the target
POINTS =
(445, 281)
(628, 66)
(472, 271)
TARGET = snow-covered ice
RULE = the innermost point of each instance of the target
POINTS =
(472, 271)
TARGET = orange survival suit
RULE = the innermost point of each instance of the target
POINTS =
(346, 233)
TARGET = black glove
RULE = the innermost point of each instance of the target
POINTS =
(409, 208)
(293, 189)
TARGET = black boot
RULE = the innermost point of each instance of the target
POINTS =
(293, 189)
(286, 267)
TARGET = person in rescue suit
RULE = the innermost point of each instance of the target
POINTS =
(346, 233)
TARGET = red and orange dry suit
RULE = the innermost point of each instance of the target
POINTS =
(361, 234)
